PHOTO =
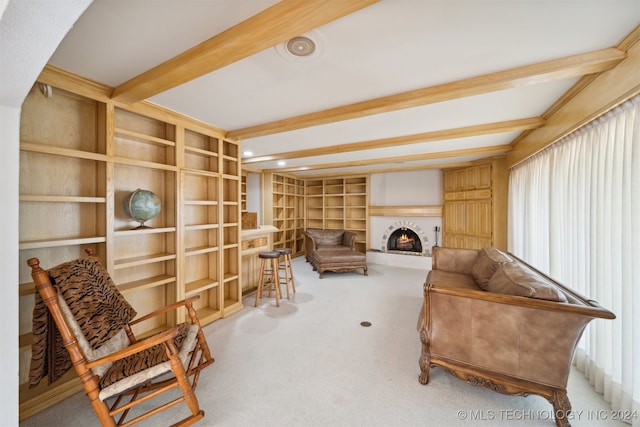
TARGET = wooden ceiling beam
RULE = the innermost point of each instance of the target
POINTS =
(280, 22)
(440, 135)
(386, 170)
(562, 68)
(485, 151)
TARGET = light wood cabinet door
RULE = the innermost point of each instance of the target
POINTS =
(449, 241)
(484, 176)
(484, 242)
(450, 183)
(454, 220)
(484, 218)
(449, 217)
(460, 217)
(461, 179)
(471, 178)
(471, 242)
(471, 217)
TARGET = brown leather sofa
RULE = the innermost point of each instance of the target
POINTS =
(494, 321)
(333, 250)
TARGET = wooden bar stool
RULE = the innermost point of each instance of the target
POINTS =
(269, 275)
(285, 265)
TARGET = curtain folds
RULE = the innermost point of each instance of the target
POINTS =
(574, 212)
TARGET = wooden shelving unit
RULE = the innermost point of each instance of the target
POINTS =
(230, 233)
(243, 193)
(81, 156)
(200, 189)
(284, 209)
(339, 203)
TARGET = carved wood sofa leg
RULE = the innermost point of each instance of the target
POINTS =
(365, 270)
(561, 408)
(424, 370)
(425, 358)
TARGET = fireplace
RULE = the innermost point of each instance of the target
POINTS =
(405, 237)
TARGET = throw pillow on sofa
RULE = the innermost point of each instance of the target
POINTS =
(512, 279)
(486, 265)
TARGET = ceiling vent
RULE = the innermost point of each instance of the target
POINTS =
(302, 48)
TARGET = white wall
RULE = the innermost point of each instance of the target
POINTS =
(254, 190)
(9, 172)
(422, 187)
(405, 188)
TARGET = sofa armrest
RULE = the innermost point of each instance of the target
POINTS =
(349, 239)
(309, 246)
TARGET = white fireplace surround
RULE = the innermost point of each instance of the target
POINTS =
(424, 240)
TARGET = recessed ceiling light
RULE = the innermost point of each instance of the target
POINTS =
(282, 163)
(248, 153)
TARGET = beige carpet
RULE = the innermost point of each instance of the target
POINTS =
(310, 363)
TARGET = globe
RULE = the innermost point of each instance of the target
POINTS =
(142, 205)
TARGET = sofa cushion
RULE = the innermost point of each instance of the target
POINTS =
(514, 279)
(486, 265)
(338, 255)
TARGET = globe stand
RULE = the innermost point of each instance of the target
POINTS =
(141, 227)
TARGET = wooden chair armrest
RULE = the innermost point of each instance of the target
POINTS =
(185, 302)
(139, 346)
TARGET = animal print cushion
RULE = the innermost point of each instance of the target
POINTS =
(140, 361)
(93, 299)
(117, 342)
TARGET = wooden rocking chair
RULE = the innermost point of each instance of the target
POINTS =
(94, 323)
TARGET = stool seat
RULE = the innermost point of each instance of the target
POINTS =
(269, 255)
(283, 251)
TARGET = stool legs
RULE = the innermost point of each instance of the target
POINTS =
(288, 272)
(273, 276)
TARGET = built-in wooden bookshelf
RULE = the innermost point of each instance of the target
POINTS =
(81, 156)
(339, 203)
(243, 193)
(284, 209)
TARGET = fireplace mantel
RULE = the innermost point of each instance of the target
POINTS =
(408, 210)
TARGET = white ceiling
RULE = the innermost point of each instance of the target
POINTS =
(390, 47)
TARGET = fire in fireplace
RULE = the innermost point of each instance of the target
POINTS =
(405, 240)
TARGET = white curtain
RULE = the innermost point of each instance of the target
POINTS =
(574, 212)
